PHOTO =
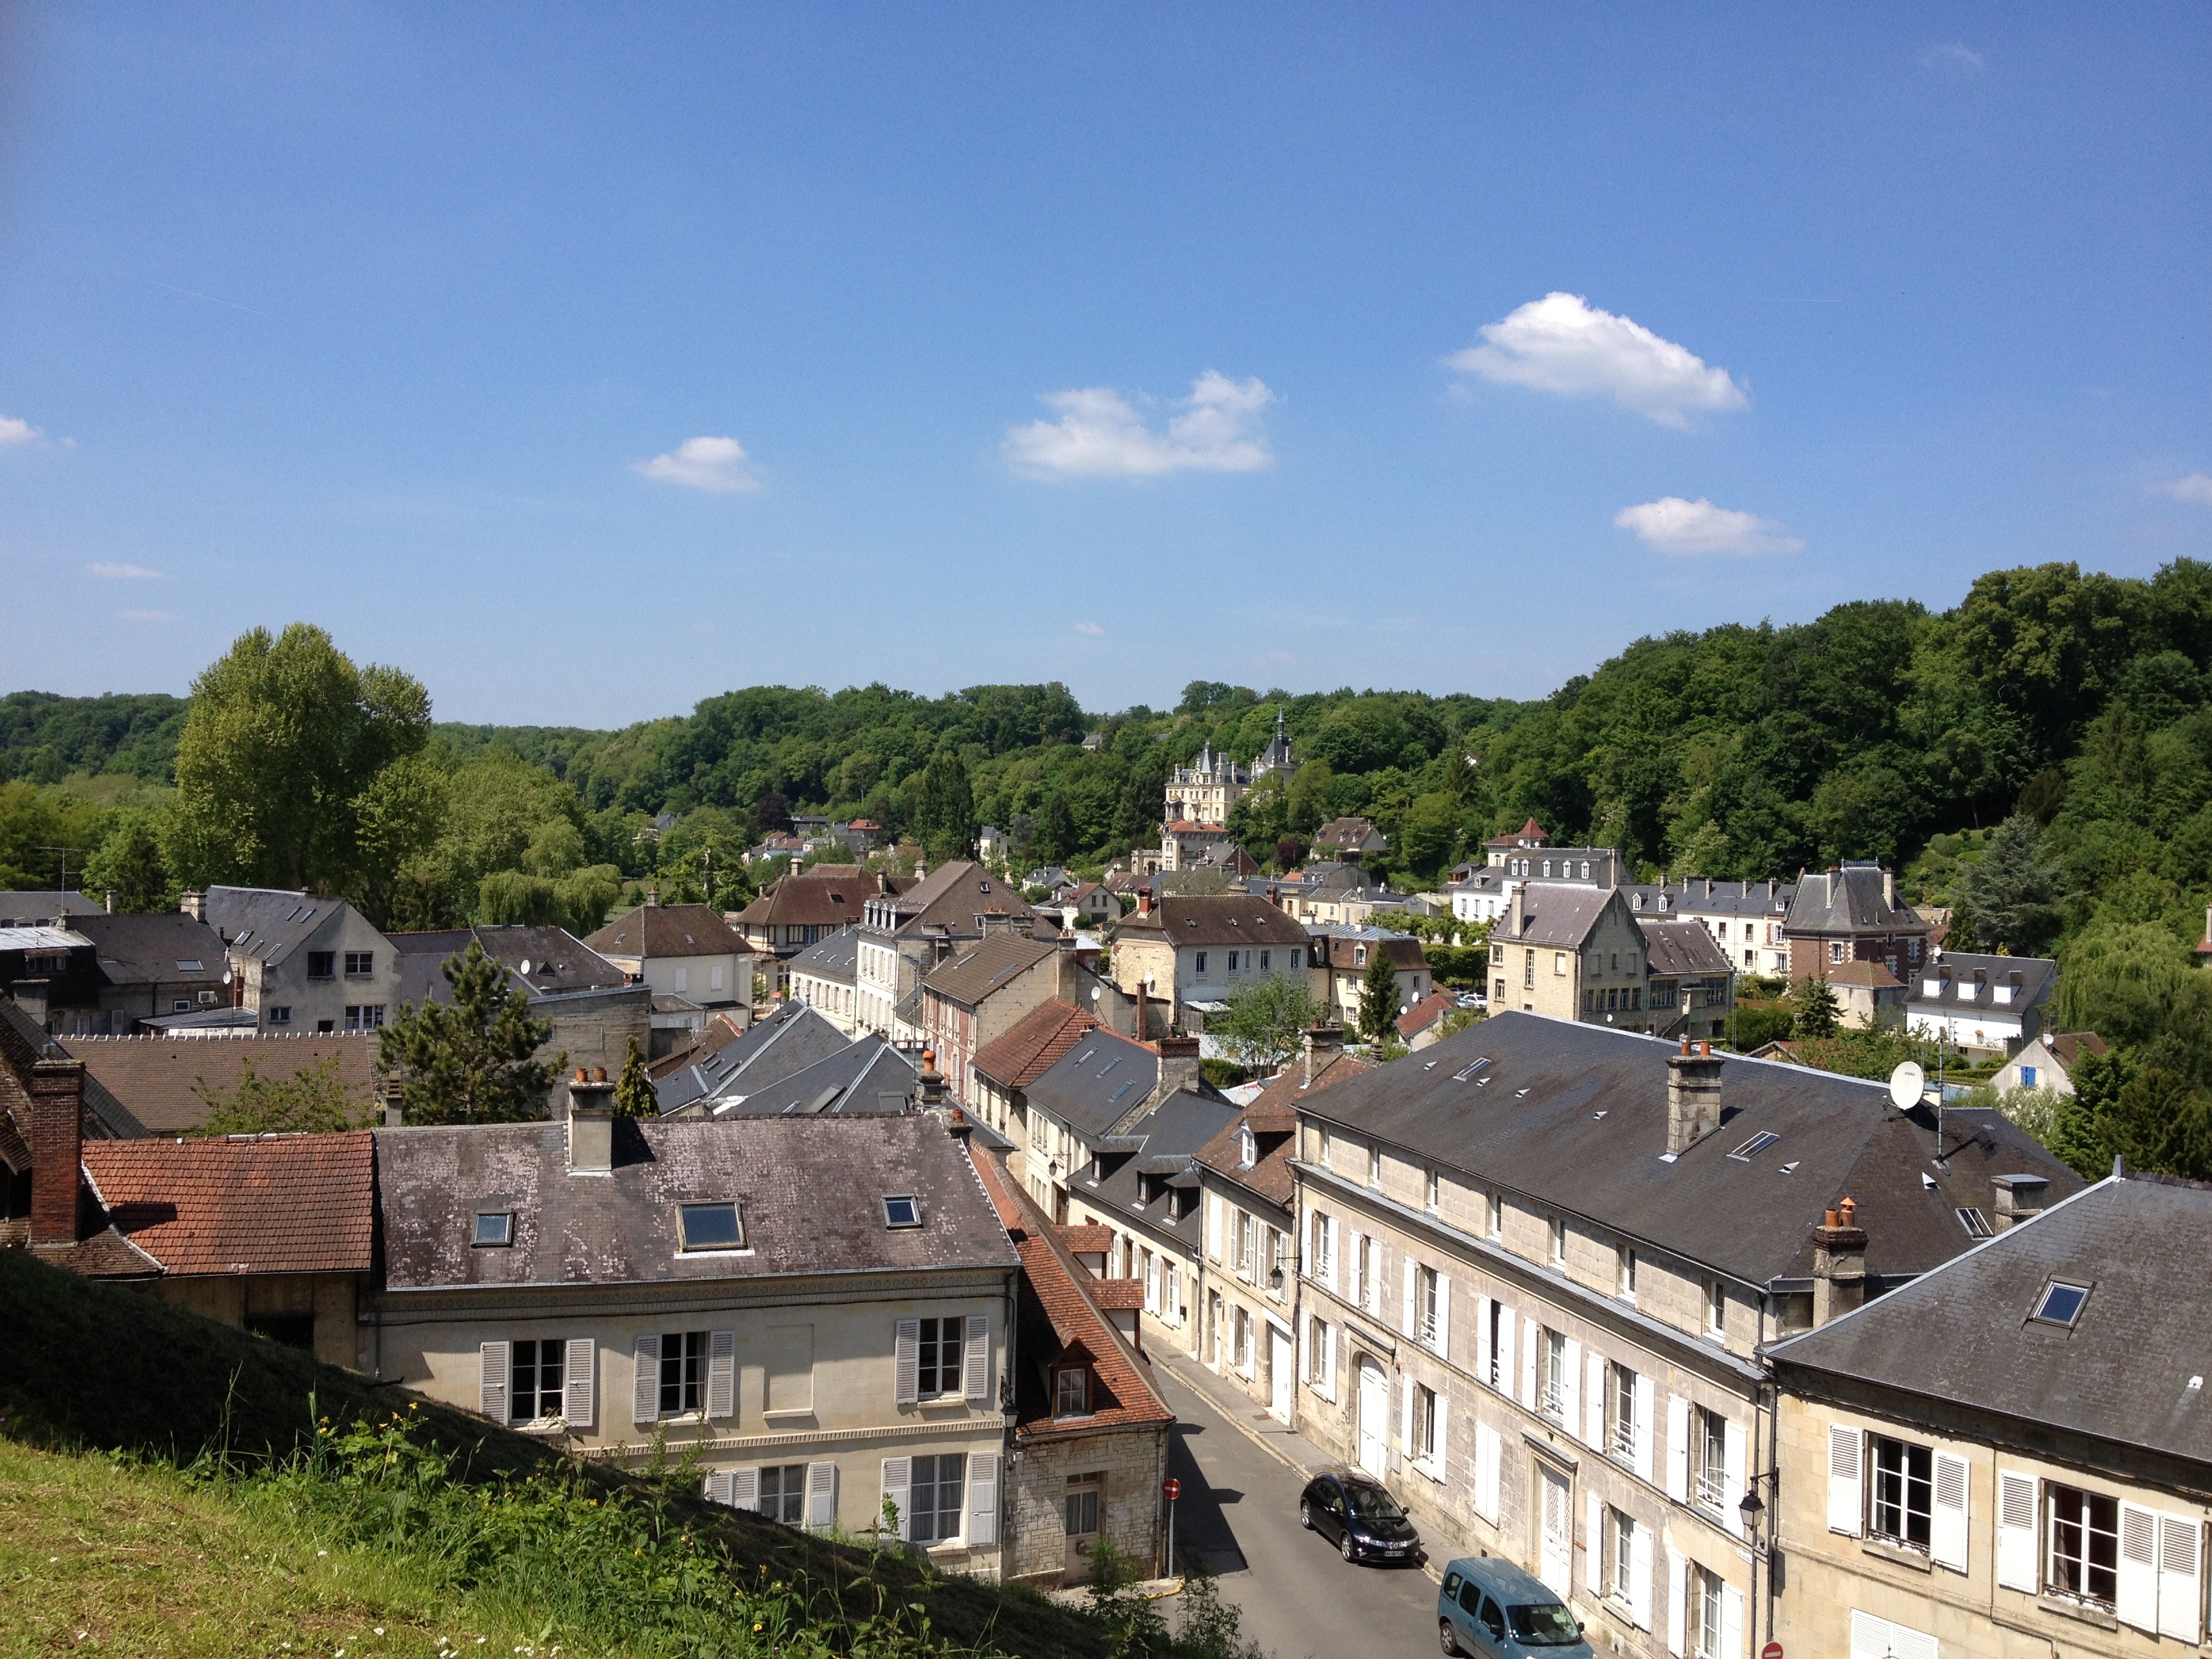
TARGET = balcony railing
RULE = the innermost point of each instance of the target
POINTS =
(1623, 1441)
(1552, 1400)
(1713, 1488)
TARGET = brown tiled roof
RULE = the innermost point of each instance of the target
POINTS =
(1425, 1012)
(154, 1077)
(2070, 1046)
(1339, 952)
(266, 1204)
(106, 1254)
(974, 974)
(1041, 1037)
(1222, 919)
(669, 930)
(1685, 947)
(1273, 1117)
(828, 895)
(720, 1033)
(1118, 1295)
(1851, 973)
(1059, 1311)
(1087, 1238)
(954, 895)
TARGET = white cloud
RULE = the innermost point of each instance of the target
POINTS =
(13, 431)
(1092, 628)
(1562, 343)
(109, 571)
(2196, 487)
(1951, 56)
(715, 464)
(147, 615)
(1099, 434)
(1674, 526)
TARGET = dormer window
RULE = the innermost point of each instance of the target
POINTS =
(495, 1230)
(1071, 1392)
(711, 1227)
(1248, 1152)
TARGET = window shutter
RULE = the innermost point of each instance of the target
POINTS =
(1328, 1361)
(1406, 1416)
(2180, 1610)
(1442, 1343)
(1678, 1600)
(1639, 1578)
(1528, 1364)
(721, 1374)
(1678, 1449)
(898, 1472)
(1646, 1453)
(718, 1486)
(1328, 1253)
(1441, 1464)
(1594, 1545)
(1213, 1225)
(1571, 1386)
(579, 1391)
(1869, 1637)
(1846, 1510)
(976, 1360)
(906, 1362)
(2015, 1532)
(744, 1489)
(1306, 1372)
(645, 1382)
(1486, 1449)
(1594, 1400)
(1732, 1470)
(2138, 1599)
(983, 1500)
(822, 1495)
(1482, 1355)
(491, 1381)
(1946, 1535)
(1731, 1622)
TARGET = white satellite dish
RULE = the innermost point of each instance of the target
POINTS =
(1906, 1084)
(526, 967)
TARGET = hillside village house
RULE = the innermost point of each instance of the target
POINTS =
(1187, 843)
(2048, 1062)
(1342, 957)
(1981, 1004)
(1191, 953)
(1207, 788)
(788, 1039)
(1349, 839)
(1867, 996)
(819, 1308)
(2011, 1455)
(1538, 1263)
(902, 936)
(143, 968)
(1689, 990)
(302, 962)
(1746, 918)
(681, 951)
(826, 976)
(1582, 953)
(977, 996)
(1852, 914)
(803, 907)
(1003, 1069)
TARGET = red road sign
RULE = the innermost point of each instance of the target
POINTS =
(1174, 1490)
(1771, 1650)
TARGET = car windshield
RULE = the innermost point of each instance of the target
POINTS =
(1372, 1503)
(1544, 1625)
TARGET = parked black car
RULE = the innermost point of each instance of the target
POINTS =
(1363, 1520)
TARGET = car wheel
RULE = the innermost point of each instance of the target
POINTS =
(1305, 1513)
(1446, 1638)
(1348, 1549)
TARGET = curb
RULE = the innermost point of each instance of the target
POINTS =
(1265, 1442)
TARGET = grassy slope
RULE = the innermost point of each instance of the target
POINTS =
(88, 1368)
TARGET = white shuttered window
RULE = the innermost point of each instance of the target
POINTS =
(1845, 1508)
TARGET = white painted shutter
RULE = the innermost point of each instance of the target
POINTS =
(718, 1486)
(1594, 1545)
(822, 1495)
(1732, 1468)
(744, 1489)
(1406, 1416)
(1946, 1535)
(1678, 1600)
(2015, 1532)
(1441, 1464)
(1731, 1622)
(721, 1374)
(2138, 1600)
(1881, 1638)
(976, 1360)
(1678, 1449)
(1407, 1273)
(1639, 1578)
(1528, 1364)
(1328, 1361)
(1213, 1225)
(492, 1380)
(2180, 1610)
(1306, 1372)
(1594, 1400)
(645, 1381)
(905, 1362)
(1646, 1452)
(1846, 1509)
(982, 1499)
(1486, 1450)
(1482, 1355)
(1328, 1253)
(898, 1473)
(1571, 1386)
(1442, 1343)
(579, 1392)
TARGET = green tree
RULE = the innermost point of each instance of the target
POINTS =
(1053, 840)
(633, 1095)
(1378, 996)
(2014, 890)
(2129, 984)
(314, 1100)
(1817, 1009)
(1428, 835)
(473, 1059)
(1267, 1021)
(1311, 798)
(33, 824)
(1963, 932)
(944, 808)
(2143, 1107)
(131, 863)
(284, 736)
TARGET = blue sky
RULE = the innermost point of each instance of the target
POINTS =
(587, 362)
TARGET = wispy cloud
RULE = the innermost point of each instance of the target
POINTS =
(110, 571)
(1563, 343)
(1676, 526)
(1092, 628)
(715, 464)
(147, 615)
(1952, 55)
(15, 431)
(1099, 435)
(2196, 487)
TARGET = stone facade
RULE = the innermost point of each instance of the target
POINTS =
(593, 1028)
(322, 1304)
(1127, 1466)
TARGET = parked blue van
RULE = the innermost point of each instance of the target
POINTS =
(1491, 1610)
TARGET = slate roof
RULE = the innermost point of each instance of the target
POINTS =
(1710, 897)
(1142, 1184)
(1223, 918)
(1845, 902)
(1574, 1116)
(811, 1190)
(1557, 913)
(268, 923)
(1100, 1080)
(954, 896)
(157, 1078)
(559, 961)
(669, 930)
(1273, 1117)
(975, 973)
(836, 958)
(167, 947)
(867, 1075)
(1336, 945)
(787, 1040)
(240, 1204)
(1017, 1057)
(1674, 948)
(1344, 832)
(30, 908)
(1969, 981)
(1964, 1334)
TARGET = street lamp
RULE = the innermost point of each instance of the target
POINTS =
(1275, 1277)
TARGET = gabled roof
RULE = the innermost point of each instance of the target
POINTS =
(1872, 975)
(1966, 1333)
(827, 896)
(2067, 1048)
(837, 957)
(787, 1040)
(1101, 1080)
(1273, 1115)
(1019, 1056)
(669, 930)
(985, 968)
(1574, 1117)
(1965, 980)
(159, 1079)
(867, 1075)
(1844, 902)
(810, 1192)
(32, 908)
(1215, 918)
(1559, 915)
(240, 1204)
(1703, 897)
(1426, 1013)
(954, 895)
(1338, 946)
(167, 947)
(558, 961)
(1345, 832)
(1166, 1142)
(268, 923)
(22, 1044)
(1681, 947)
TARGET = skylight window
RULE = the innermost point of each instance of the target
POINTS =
(1123, 1090)
(711, 1227)
(186, 965)
(1465, 1072)
(902, 1210)
(1752, 1147)
(495, 1230)
(2060, 1304)
(1976, 1224)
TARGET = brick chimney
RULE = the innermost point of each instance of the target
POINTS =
(2020, 1197)
(1838, 1263)
(1144, 902)
(57, 1148)
(1064, 965)
(590, 1122)
(1321, 1041)
(1693, 1095)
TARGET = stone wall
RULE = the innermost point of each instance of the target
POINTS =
(1131, 1516)
(593, 1028)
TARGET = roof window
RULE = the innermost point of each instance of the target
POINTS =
(1465, 1072)
(711, 1227)
(186, 965)
(902, 1210)
(1976, 1224)
(495, 1230)
(2060, 1304)
(1752, 1147)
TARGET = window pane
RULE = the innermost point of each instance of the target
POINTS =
(711, 1227)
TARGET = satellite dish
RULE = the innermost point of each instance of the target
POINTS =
(526, 967)
(1906, 1083)
(226, 976)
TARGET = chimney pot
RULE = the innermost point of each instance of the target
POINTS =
(1838, 1263)
(1848, 1210)
(110, 901)
(598, 1074)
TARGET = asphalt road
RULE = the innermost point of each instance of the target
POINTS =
(1239, 1511)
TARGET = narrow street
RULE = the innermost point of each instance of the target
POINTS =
(1239, 1514)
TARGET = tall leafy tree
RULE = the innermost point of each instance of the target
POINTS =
(314, 1100)
(1267, 1021)
(1054, 838)
(944, 808)
(132, 863)
(1379, 997)
(473, 1059)
(633, 1095)
(1817, 1010)
(2014, 890)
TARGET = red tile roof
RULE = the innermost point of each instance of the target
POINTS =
(1119, 1295)
(267, 1204)
(1087, 1238)
(1021, 1055)
(1425, 1012)
(1273, 1117)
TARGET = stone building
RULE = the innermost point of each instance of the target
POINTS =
(1852, 914)
(981, 993)
(902, 936)
(302, 962)
(1207, 788)
(1191, 951)
(1003, 1068)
